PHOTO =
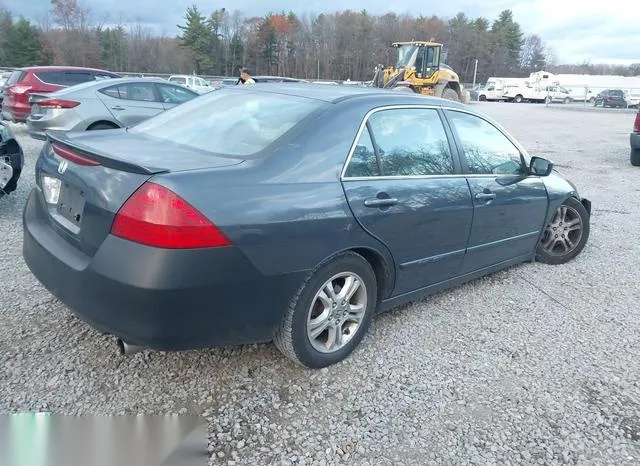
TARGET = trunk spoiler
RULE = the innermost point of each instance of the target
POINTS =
(106, 160)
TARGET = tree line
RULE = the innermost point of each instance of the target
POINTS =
(342, 45)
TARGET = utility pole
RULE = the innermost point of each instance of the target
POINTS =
(475, 72)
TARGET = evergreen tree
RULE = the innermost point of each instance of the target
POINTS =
(508, 35)
(197, 37)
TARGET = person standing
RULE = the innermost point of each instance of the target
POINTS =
(245, 77)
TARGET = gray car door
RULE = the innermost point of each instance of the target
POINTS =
(403, 185)
(509, 206)
(131, 103)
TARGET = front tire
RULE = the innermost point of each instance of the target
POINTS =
(634, 157)
(566, 235)
(330, 313)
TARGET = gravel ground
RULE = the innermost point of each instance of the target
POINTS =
(533, 365)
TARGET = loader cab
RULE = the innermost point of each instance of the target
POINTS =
(423, 57)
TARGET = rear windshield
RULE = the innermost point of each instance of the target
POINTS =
(66, 78)
(15, 77)
(230, 122)
(178, 80)
(51, 77)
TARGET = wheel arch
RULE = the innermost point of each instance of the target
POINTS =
(382, 269)
(103, 122)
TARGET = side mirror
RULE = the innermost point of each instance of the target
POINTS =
(540, 166)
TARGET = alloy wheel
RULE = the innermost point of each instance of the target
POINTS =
(336, 312)
(564, 233)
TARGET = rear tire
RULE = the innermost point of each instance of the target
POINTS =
(566, 235)
(517, 99)
(634, 158)
(314, 313)
(450, 94)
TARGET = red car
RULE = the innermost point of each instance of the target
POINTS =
(37, 79)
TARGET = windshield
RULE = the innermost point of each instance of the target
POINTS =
(407, 55)
(231, 121)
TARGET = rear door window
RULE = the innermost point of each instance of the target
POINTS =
(411, 142)
(142, 92)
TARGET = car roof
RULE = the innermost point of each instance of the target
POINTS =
(336, 94)
(63, 68)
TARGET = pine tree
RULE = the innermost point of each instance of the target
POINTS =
(197, 37)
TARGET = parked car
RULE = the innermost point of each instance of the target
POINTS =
(610, 98)
(41, 79)
(99, 105)
(634, 139)
(194, 83)
(11, 160)
(258, 213)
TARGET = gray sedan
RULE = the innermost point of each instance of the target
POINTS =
(108, 104)
(297, 222)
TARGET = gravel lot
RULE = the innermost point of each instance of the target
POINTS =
(533, 365)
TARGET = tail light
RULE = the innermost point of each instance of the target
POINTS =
(18, 89)
(156, 216)
(73, 156)
(57, 103)
(636, 125)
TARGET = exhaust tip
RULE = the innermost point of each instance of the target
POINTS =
(125, 348)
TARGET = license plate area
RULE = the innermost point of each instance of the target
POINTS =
(71, 204)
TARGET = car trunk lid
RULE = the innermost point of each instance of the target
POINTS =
(86, 177)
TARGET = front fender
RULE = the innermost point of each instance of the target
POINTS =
(559, 189)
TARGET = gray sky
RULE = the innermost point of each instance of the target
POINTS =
(577, 30)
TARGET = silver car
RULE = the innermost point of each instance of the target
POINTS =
(107, 104)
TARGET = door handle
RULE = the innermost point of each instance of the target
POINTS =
(380, 202)
(485, 196)
(118, 107)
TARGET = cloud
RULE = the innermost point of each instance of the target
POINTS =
(576, 30)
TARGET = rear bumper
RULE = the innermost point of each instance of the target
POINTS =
(65, 120)
(157, 298)
(634, 140)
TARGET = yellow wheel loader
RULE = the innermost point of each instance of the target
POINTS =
(419, 70)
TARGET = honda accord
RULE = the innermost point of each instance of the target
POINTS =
(287, 213)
